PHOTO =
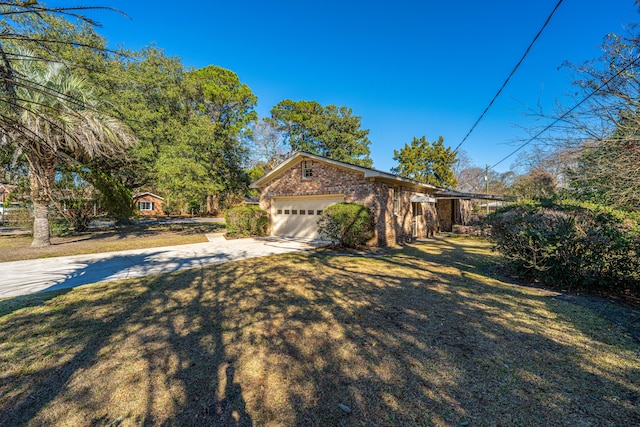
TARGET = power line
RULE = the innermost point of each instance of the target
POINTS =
(562, 117)
(510, 75)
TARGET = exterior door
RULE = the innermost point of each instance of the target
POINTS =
(415, 210)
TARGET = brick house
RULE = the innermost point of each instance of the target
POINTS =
(296, 191)
(148, 204)
(5, 190)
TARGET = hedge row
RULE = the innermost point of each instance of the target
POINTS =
(245, 221)
(347, 224)
(571, 244)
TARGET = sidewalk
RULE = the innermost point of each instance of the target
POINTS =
(26, 277)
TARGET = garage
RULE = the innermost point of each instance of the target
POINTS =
(298, 216)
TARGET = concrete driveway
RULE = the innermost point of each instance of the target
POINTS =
(26, 277)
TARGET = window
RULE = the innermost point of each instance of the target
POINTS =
(307, 170)
(302, 212)
(286, 211)
(145, 206)
(318, 212)
(279, 211)
(309, 212)
(294, 212)
(396, 200)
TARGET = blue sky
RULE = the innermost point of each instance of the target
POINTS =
(408, 68)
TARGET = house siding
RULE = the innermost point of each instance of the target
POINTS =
(328, 179)
(445, 211)
(453, 211)
(157, 205)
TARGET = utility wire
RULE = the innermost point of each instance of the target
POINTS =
(509, 77)
(562, 117)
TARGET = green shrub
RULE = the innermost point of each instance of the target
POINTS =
(243, 221)
(347, 224)
(571, 244)
(60, 226)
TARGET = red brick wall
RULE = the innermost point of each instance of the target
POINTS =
(378, 196)
(157, 205)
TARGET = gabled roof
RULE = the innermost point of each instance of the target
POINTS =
(135, 196)
(368, 172)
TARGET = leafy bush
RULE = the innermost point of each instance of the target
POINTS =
(246, 221)
(74, 214)
(60, 226)
(113, 196)
(571, 244)
(347, 224)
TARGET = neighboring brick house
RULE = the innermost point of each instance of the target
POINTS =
(5, 190)
(296, 192)
(148, 204)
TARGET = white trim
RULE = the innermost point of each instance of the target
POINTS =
(135, 196)
(396, 201)
(419, 198)
(140, 202)
(307, 166)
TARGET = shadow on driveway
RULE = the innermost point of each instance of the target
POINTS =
(26, 277)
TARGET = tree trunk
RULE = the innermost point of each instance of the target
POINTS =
(213, 204)
(41, 233)
(41, 175)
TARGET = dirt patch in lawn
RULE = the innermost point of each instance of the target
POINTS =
(139, 236)
(420, 336)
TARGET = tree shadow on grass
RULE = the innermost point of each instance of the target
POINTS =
(435, 349)
(9, 305)
(123, 353)
(404, 339)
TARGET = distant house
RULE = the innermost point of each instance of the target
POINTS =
(149, 204)
(251, 200)
(492, 206)
(5, 190)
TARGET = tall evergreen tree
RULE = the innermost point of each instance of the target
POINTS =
(331, 131)
(427, 162)
(218, 95)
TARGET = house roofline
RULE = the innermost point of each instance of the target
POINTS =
(147, 193)
(368, 172)
(443, 194)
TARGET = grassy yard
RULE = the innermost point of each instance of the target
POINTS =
(138, 236)
(420, 336)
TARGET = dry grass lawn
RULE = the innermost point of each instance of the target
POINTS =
(417, 337)
(18, 247)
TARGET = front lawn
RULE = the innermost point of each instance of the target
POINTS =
(137, 236)
(420, 336)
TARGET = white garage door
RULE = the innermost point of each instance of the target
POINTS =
(298, 216)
